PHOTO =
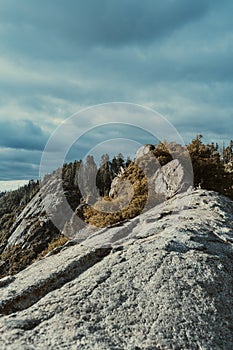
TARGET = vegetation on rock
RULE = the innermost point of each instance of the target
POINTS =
(212, 167)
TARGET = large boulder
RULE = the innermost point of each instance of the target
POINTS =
(171, 179)
(160, 281)
(143, 150)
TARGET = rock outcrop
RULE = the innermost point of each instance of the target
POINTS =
(31, 231)
(143, 150)
(171, 179)
(162, 280)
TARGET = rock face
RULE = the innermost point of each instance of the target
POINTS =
(28, 235)
(32, 230)
(160, 281)
(171, 179)
(143, 150)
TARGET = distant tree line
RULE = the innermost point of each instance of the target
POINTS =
(10, 200)
(78, 176)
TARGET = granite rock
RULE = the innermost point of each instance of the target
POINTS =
(171, 179)
(162, 280)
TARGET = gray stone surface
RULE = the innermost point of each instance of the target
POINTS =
(160, 281)
(35, 216)
(143, 150)
(171, 179)
(41, 220)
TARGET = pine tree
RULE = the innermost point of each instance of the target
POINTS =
(104, 176)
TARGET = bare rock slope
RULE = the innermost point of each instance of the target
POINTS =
(163, 280)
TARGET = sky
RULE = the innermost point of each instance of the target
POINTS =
(58, 57)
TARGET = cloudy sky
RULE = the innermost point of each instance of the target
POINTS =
(58, 57)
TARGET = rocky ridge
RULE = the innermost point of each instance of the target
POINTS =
(32, 229)
(162, 280)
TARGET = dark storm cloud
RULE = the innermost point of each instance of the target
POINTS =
(18, 171)
(112, 132)
(88, 22)
(17, 164)
(21, 135)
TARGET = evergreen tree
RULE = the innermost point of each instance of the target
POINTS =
(104, 176)
(207, 167)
